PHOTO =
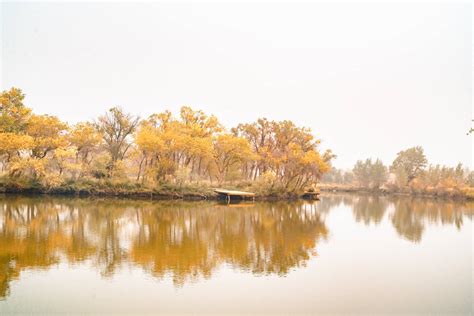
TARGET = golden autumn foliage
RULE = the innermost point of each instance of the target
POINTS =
(48, 133)
(288, 152)
(228, 152)
(193, 148)
(86, 138)
(14, 114)
(190, 148)
(30, 166)
(11, 144)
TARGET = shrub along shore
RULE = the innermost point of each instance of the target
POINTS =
(442, 193)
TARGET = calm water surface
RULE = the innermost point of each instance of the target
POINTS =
(343, 254)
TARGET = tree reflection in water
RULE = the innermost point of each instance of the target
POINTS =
(185, 240)
(189, 240)
(408, 215)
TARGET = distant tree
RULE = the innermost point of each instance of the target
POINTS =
(412, 161)
(459, 173)
(338, 178)
(445, 176)
(348, 177)
(378, 174)
(370, 174)
(401, 176)
(470, 179)
(362, 171)
(116, 128)
(333, 176)
(432, 175)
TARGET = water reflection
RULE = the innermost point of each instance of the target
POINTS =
(410, 219)
(369, 209)
(189, 240)
(408, 215)
(183, 240)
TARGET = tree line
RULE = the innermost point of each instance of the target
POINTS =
(118, 147)
(409, 170)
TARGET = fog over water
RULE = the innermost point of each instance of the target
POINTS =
(370, 80)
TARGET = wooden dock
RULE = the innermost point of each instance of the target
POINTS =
(230, 194)
(310, 195)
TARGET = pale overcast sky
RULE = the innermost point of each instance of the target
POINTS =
(370, 80)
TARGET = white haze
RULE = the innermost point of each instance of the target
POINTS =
(370, 80)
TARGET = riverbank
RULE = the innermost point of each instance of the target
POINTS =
(108, 188)
(443, 193)
(105, 188)
(199, 191)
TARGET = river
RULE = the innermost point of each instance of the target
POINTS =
(343, 254)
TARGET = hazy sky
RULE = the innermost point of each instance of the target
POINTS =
(368, 79)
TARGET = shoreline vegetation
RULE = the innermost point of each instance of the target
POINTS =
(189, 155)
(409, 174)
(165, 155)
(205, 192)
(450, 194)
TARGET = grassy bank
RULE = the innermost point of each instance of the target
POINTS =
(433, 192)
(128, 189)
(107, 188)
(203, 191)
